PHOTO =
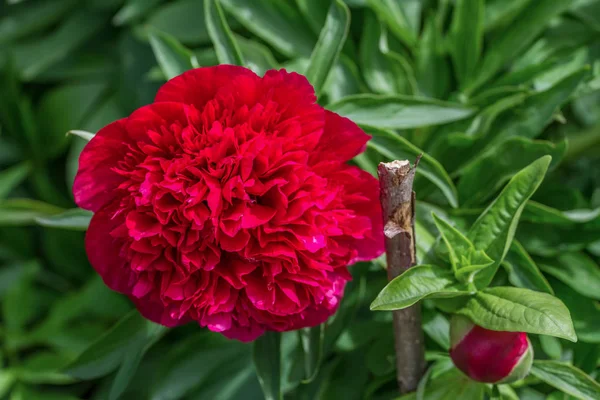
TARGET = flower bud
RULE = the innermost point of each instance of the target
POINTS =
(489, 356)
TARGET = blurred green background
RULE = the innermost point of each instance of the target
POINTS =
(482, 87)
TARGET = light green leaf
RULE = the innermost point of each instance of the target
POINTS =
(74, 219)
(173, 58)
(419, 282)
(456, 243)
(541, 214)
(267, 361)
(398, 112)
(567, 378)
(551, 346)
(437, 327)
(488, 173)
(330, 44)
(395, 147)
(311, 340)
(522, 270)
(466, 37)
(87, 136)
(577, 270)
(24, 211)
(432, 68)
(520, 310)
(276, 22)
(397, 17)
(344, 80)
(228, 51)
(105, 354)
(495, 228)
(257, 56)
(12, 177)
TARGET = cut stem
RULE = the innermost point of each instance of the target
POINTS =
(398, 205)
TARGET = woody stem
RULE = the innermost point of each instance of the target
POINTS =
(398, 205)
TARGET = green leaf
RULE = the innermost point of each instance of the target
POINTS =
(483, 177)
(258, 57)
(228, 51)
(39, 54)
(105, 354)
(383, 73)
(520, 310)
(585, 312)
(523, 271)
(87, 136)
(330, 44)
(398, 112)
(515, 38)
(494, 230)
(437, 327)
(577, 270)
(267, 361)
(551, 346)
(419, 282)
(395, 147)
(311, 340)
(183, 20)
(344, 80)
(11, 178)
(466, 37)
(456, 243)
(276, 22)
(133, 10)
(567, 378)
(542, 214)
(433, 70)
(74, 219)
(173, 58)
(396, 16)
(15, 212)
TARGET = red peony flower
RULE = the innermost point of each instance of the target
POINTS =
(228, 201)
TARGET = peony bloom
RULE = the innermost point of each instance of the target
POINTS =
(228, 201)
(489, 356)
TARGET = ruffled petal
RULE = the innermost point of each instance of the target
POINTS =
(342, 139)
(198, 86)
(155, 311)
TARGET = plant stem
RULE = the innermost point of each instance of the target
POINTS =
(398, 205)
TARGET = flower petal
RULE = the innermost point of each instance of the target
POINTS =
(342, 139)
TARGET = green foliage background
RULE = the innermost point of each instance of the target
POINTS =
(483, 88)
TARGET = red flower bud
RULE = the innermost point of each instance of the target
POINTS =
(489, 356)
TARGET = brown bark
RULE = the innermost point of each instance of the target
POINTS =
(398, 204)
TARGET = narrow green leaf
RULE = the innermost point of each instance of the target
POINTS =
(106, 353)
(276, 22)
(15, 212)
(520, 310)
(577, 270)
(183, 20)
(133, 10)
(257, 56)
(344, 80)
(12, 177)
(432, 68)
(74, 219)
(541, 214)
(330, 44)
(395, 147)
(437, 327)
(466, 37)
(396, 16)
(415, 284)
(585, 312)
(495, 228)
(488, 173)
(522, 270)
(173, 58)
(398, 112)
(228, 51)
(267, 361)
(566, 378)
(87, 136)
(311, 340)
(511, 41)
(551, 346)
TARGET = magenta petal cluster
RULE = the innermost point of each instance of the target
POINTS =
(489, 356)
(229, 201)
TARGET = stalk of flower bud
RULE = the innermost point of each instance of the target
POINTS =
(489, 356)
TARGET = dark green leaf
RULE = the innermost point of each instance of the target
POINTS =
(577, 270)
(133, 10)
(172, 57)
(183, 20)
(520, 310)
(397, 15)
(551, 346)
(74, 219)
(466, 33)
(330, 43)
(12, 177)
(311, 340)
(267, 361)
(228, 51)
(585, 312)
(522, 270)
(567, 378)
